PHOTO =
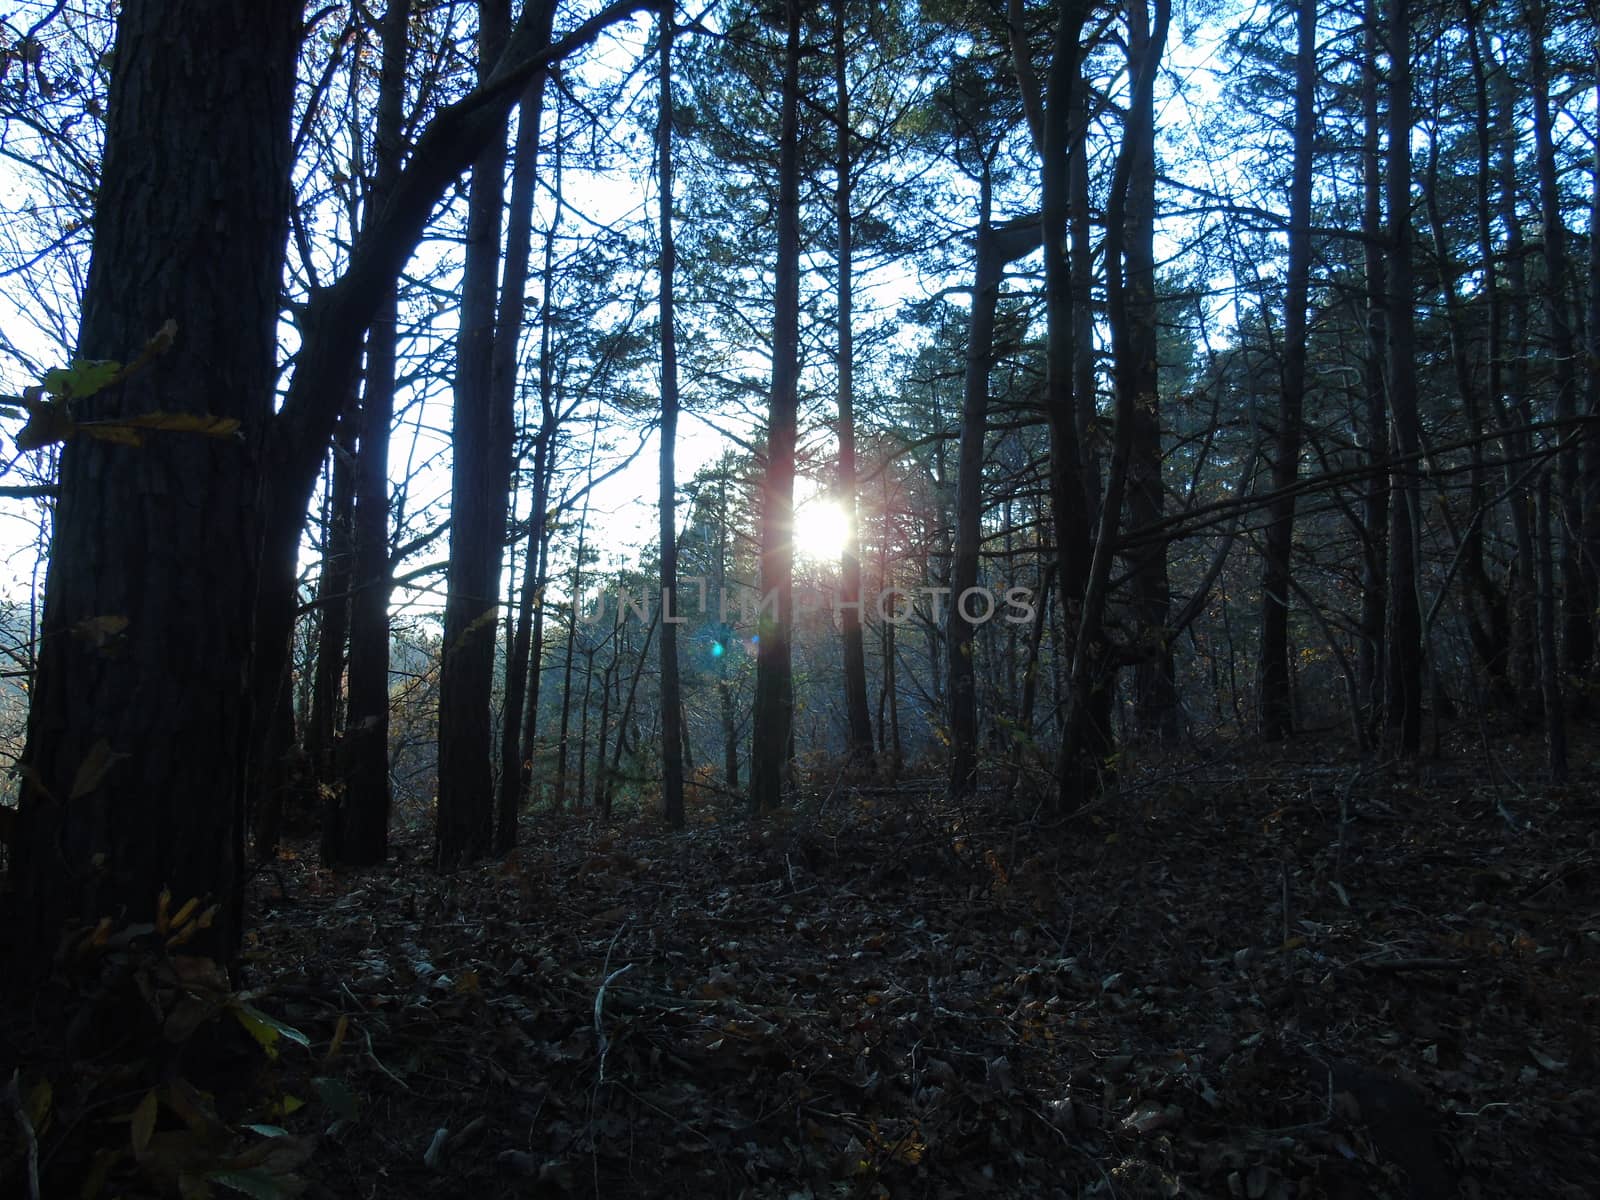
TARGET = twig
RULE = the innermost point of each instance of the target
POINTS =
(372, 1054)
(599, 1008)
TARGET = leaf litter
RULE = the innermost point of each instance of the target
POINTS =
(1263, 979)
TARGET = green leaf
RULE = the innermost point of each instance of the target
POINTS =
(271, 1131)
(83, 378)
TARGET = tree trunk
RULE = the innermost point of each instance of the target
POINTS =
(1085, 747)
(1577, 604)
(480, 474)
(774, 699)
(858, 719)
(333, 604)
(516, 769)
(671, 693)
(1515, 412)
(1277, 697)
(1555, 717)
(563, 740)
(334, 320)
(1403, 689)
(1081, 757)
(995, 246)
(138, 734)
(552, 421)
(364, 837)
(1374, 384)
(1484, 605)
(503, 389)
(1156, 711)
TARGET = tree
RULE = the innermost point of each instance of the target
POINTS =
(1403, 628)
(774, 701)
(171, 731)
(1276, 713)
(1157, 712)
(138, 731)
(481, 435)
(858, 718)
(672, 733)
(363, 836)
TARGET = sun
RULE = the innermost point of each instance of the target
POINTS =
(820, 530)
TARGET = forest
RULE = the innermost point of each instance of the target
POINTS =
(787, 599)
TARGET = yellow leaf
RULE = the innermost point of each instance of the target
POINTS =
(182, 422)
(181, 917)
(144, 1122)
(163, 907)
(120, 434)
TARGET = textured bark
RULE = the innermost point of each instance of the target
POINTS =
(1082, 742)
(1555, 717)
(995, 246)
(134, 770)
(1577, 602)
(1484, 604)
(671, 694)
(1375, 497)
(1086, 736)
(333, 603)
(725, 640)
(551, 423)
(364, 828)
(516, 766)
(1276, 715)
(774, 699)
(1515, 412)
(1404, 650)
(480, 474)
(503, 390)
(858, 719)
(1156, 711)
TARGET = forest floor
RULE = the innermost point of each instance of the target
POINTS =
(1264, 975)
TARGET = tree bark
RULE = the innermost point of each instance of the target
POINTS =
(1156, 711)
(774, 699)
(1371, 660)
(333, 603)
(671, 693)
(503, 387)
(1081, 756)
(134, 771)
(480, 475)
(1277, 700)
(1577, 602)
(858, 719)
(995, 246)
(1403, 687)
(364, 836)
